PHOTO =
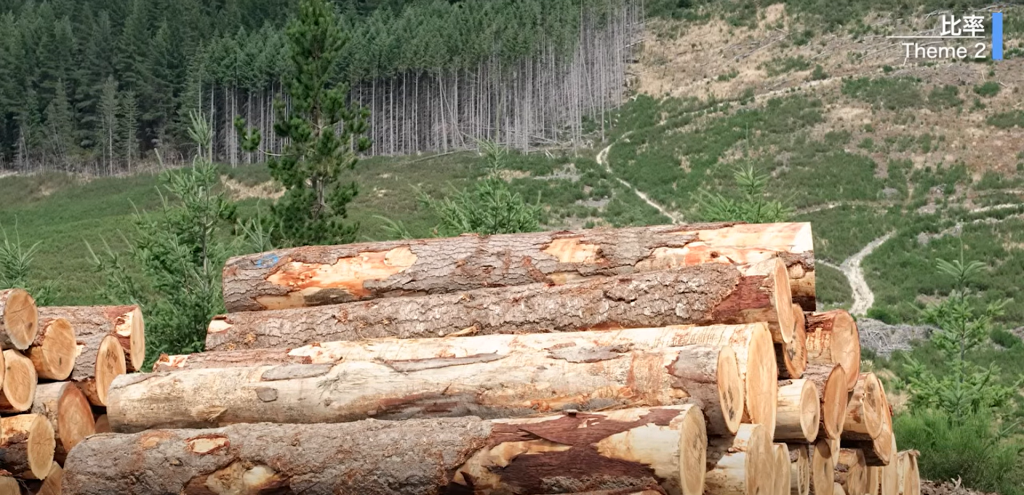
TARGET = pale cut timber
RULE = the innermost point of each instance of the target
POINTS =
(792, 356)
(27, 445)
(838, 489)
(123, 322)
(100, 360)
(799, 469)
(832, 338)
(890, 473)
(51, 485)
(102, 423)
(19, 383)
(852, 471)
(878, 451)
(552, 454)
(54, 350)
(19, 319)
(830, 381)
(8, 484)
(780, 469)
(491, 376)
(319, 275)
(874, 483)
(741, 464)
(823, 465)
(798, 416)
(67, 409)
(700, 295)
(909, 478)
(863, 420)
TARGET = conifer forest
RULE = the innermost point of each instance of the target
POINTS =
(106, 86)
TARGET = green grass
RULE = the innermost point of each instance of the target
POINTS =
(832, 288)
(885, 93)
(946, 96)
(1006, 120)
(782, 65)
(988, 89)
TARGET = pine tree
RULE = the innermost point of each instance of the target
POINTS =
(753, 205)
(129, 120)
(109, 123)
(60, 129)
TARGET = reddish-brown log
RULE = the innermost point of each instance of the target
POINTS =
(830, 382)
(19, 383)
(19, 319)
(852, 471)
(26, 445)
(50, 486)
(54, 350)
(100, 359)
(823, 465)
(66, 408)
(91, 323)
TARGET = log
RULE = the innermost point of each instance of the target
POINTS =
(838, 489)
(19, 383)
(100, 359)
(832, 338)
(799, 469)
(798, 416)
(874, 483)
(644, 490)
(19, 319)
(700, 295)
(780, 472)
(852, 471)
(123, 322)
(822, 468)
(909, 477)
(491, 376)
(878, 451)
(863, 421)
(319, 275)
(27, 445)
(54, 350)
(102, 424)
(792, 356)
(51, 485)
(890, 473)
(8, 484)
(64, 405)
(554, 454)
(830, 381)
(740, 464)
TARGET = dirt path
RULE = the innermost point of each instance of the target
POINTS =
(602, 159)
(863, 298)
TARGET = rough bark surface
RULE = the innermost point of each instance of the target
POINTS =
(565, 453)
(54, 350)
(318, 275)
(798, 416)
(67, 409)
(699, 295)
(832, 338)
(123, 322)
(26, 446)
(19, 319)
(491, 376)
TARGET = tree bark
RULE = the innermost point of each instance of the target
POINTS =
(792, 356)
(50, 486)
(698, 295)
(318, 275)
(18, 319)
(799, 469)
(27, 445)
(831, 384)
(832, 338)
(741, 464)
(555, 454)
(798, 416)
(100, 359)
(863, 420)
(823, 465)
(491, 376)
(781, 469)
(852, 471)
(19, 383)
(54, 350)
(64, 405)
(123, 322)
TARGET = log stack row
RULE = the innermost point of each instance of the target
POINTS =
(56, 368)
(676, 360)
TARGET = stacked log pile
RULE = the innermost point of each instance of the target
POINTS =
(57, 367)
(680, 360)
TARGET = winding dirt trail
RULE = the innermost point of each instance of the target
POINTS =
(863, 298)
(602, 159)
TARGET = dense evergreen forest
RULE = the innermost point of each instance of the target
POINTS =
(107, 85)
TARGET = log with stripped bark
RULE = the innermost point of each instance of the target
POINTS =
(19, 319)
(20, 382)
(54, 350)
(851, 471)
(830, 382)
(792, 356)
(492, 376)
(798, 415)
(799, 469)
(318, 275)
(781, 470)
(125, 323)
(26, 445)
(878, 450)
(909, 476)
(823, 466)
(890, 473)
(740, 464)
(863, 420)
(66, 408)
(554, 454)
(832, 338)
(874, 485)
(700, 295)
(50, 486)
(100, 359)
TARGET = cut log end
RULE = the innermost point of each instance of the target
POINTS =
(822, 468)
(780, 469)
(741, 464)
(9, 485)
(799, 470)
(110, 362)
(852, 471)
(890, 474)
(834, 403)
(730, 389)
(762, 385)
(693, 449)
(74, 419)
(863, 421)
(19, 383)
(19, 318)
(50, 486)
(832, 338)
(28, 444)
(799, 412)
(783, 301)
(102, 424)
(792, 356)
(134, 329)
(54, 350)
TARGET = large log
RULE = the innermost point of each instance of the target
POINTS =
(830, 381)
(66, 408)
(19, 383)
(874, 483)
(555, 454)
(26, 445)
(909, 476)
(741, 464)
(50, 486)
(123, 322)
(798, 416)
(102, 423)
(863, 421)
(878, 450)
(832, 338)
(781, 470)
(792, 356)
(799, 469)
(491, 376)
(8, 484)
(890, 473)
(700, 295)
(852, 471)
(318, 275)
(54, 350)
(823, 465)
(100, 359)
(19, 319)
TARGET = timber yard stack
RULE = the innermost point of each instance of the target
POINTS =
(676, 360)
(56, 368)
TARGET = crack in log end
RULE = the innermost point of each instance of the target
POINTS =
(590, 354)
(208, 444)
(266, 394)
(295, 372)
(240, 478)
(343, 281)
(410, 365)
(571, 250)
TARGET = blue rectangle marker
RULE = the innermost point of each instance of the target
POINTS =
(997, 36)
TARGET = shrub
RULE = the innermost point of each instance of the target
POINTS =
(1006, 120)
(781, 65)
(944, 97)
(818, 73)
(887, 93)
(990, 88)
(1004, 338)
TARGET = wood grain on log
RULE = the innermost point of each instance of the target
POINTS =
(838, 489)
(799, 469)
(67, 409)
(555, 454)
(54, 350)
(832, 338)
(701, 295)
(9, 484)
(830, 381)
(878, 451)
(781, 470)
(27, 445)
(19, 383)
(741, 464)
(890, 473)
(909, 476)
(50, 486)
(100, 359)
(492, 376)
(791, 357)
(823, 466)
(863, 420)
(92, 322)
(852, 471)
(102, 423)
(19, 319)
(318, 275)
(874, 483)
(799, 411)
